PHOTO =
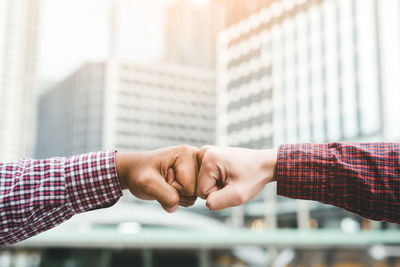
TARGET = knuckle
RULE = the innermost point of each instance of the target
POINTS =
(211, 155)
(191, 203)
(211, 205)
(189, 191)
(202, 196)
(200, 192)
(239, 197)
(187, 202)
(183, 204)
(142, 181)
(172, 200)
(184, 148)
(205, 148)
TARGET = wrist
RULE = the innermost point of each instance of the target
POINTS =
(268, 165)
(125, 162)
(274, 162)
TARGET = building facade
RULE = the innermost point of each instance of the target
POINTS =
(309, 71)
(190, 34)
(127, 107)
(232, 12)
(70, 117)
(18, 53)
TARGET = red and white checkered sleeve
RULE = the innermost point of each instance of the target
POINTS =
(363, 178)
(36, 195)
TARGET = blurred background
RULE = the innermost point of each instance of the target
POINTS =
(87, 75)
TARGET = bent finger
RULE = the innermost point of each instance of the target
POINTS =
(226, 197)
(164, 193)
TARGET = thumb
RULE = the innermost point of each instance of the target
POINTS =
(165, 194)
(200, 154)
(224, 198)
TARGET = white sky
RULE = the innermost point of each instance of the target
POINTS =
(76, 31)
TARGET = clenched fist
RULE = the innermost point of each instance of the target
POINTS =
(167, 175)
(230, 177)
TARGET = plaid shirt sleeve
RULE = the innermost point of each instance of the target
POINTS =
(363, 178)
(36, 195)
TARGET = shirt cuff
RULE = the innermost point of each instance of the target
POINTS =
(92, 181)
(301, 172)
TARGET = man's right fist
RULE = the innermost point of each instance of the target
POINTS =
(230, 177)
(167, 175)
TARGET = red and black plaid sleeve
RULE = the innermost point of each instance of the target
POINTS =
(363, 178)
(36, 195)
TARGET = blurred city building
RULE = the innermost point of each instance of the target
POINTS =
(288, 71)
(307, 71)
(190, 34)
(232, 12)
(18, 52)
(127, 107)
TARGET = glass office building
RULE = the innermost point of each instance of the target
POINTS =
(19, 25)
(127, 107)
(309, 71)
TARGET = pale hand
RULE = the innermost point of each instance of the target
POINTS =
(230, 177)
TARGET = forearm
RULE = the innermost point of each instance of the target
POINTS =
(362, 178)
(36, 195)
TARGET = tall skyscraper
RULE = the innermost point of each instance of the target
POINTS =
(18, 53)
(309, 71)
(312, 70)
(127, 107)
